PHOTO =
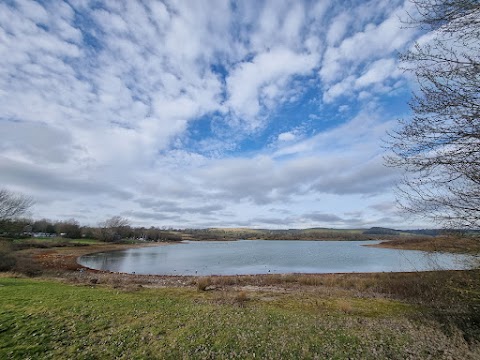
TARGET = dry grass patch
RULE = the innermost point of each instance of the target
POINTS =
(344, 306)
(241, 298)
(453, 244)
(203, 283)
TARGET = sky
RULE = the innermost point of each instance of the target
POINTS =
(194, 114)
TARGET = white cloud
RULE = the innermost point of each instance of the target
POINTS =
(279, 22)
(364, 57)
(265, 77)
(338, 28)
(378, 72)
(341, 88)
(33, 11)
(287, 136)
(377, 75)
(40, 142)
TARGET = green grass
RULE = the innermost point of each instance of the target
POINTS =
(51, 320)
(54, 240)
(85, 241)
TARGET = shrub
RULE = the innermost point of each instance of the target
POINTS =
(27, 266)
(344, 306)
(7, 260)
(203, 283)
(241, 298)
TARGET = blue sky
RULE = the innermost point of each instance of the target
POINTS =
(266, 114)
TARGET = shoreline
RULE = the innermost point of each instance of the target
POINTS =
(66, 258)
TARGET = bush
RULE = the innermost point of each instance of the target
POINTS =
(27, 266)
(203, 283)
(7, 260)
(241, 298)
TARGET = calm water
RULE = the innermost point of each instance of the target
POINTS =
(263, 257)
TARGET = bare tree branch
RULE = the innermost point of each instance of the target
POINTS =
(12, 204)
(114, 228)
(439, 148)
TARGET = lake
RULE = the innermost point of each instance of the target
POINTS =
(244, 257)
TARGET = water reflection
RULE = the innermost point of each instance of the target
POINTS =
(264, 257)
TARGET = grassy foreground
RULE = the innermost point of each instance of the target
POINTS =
(63, 312)
(48, 319)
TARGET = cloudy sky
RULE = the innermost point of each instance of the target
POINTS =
(265, 114)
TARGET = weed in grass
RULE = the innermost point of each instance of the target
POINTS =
(226, 280)
(344, 306)
(241, 298)
(289, 278)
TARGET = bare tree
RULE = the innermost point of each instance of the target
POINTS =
(69, 228)
(439, 148)
(116, 222)
(13, 204)
(114, 228)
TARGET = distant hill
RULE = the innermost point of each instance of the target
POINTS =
(381, 231)
(424, 232)
(319, 233)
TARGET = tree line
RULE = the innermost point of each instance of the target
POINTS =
(14, 205)
(111, 230)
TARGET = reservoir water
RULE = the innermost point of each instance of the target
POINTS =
(244, 257)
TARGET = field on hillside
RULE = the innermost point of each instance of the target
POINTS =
(289, 234)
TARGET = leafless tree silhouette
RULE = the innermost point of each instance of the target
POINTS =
(13, 204)
(439, 147)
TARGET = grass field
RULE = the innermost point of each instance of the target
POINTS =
(49, 319)
(55, 241)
